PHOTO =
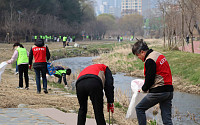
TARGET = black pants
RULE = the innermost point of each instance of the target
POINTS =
(60, 78)
(90, 87)
(23, 69)
(64, 44)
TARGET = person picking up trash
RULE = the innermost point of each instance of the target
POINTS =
(158, 83)
(62, 72)
(91, 82)
(21, 55)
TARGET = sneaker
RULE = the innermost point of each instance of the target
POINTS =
(20, 88)
(16, 73)
(38, 92)
(66, 86)
(27, 88)
(45, 91)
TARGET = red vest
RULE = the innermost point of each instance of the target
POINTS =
(163, 72)
(39, 53)
(96, 69)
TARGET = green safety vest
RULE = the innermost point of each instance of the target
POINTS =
(22, 56)
(35, 37)
(64, 38)
(87, 36)
(59, 37)
(40, 36)
(60, 72)
(43, 37)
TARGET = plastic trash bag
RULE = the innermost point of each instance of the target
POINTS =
(2, 68)
(136, 98)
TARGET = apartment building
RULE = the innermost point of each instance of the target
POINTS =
(131, 6)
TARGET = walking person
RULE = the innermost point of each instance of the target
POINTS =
(158, 83)
(21, 55)
(91, 82)
(62, 72)
(64, 41)
(41, 55)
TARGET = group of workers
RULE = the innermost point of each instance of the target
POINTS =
(96, 78)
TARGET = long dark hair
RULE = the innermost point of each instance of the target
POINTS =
(17, 44)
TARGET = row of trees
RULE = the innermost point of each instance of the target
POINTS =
(180, 19)
(22, 18)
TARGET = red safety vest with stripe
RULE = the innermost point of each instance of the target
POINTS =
(163, 72)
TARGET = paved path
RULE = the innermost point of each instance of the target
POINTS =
(23, 116)
(43, 116)
(188, 47)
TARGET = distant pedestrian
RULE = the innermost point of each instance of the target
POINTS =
(64, 41)
(21, 55)
(118, 38)
(41, 55)
(187, 39)
(91, 82)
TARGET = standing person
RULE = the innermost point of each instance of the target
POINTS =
(91, 82)
(41, 54)
(187, 39)
(64, 41)
(158, 83)
(118, 38)
(61, 72)
(21, 55)
(68, 40)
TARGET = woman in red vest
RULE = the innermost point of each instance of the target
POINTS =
(41, 54)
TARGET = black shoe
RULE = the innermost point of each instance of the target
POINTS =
(45, 91)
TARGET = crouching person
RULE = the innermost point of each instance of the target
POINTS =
(61, 72)
(91, 82)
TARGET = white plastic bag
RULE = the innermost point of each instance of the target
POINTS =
(136, 98)
(2, 68)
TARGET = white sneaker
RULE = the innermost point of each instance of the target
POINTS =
(66, 86)
(20, 88)
(16, 73)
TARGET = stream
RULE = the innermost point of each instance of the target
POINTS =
(185, 107)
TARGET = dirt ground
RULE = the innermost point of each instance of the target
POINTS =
(11, 97)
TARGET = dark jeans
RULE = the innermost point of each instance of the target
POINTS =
(44, 79)
(93, 88)
(23, 69)
(151, 99)
(60, 78)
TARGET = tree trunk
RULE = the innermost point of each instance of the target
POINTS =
(192, 42)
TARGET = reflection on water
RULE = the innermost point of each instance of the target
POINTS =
(186, 107)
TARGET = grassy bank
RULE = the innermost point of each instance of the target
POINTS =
(183, 65)
(93, 49)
